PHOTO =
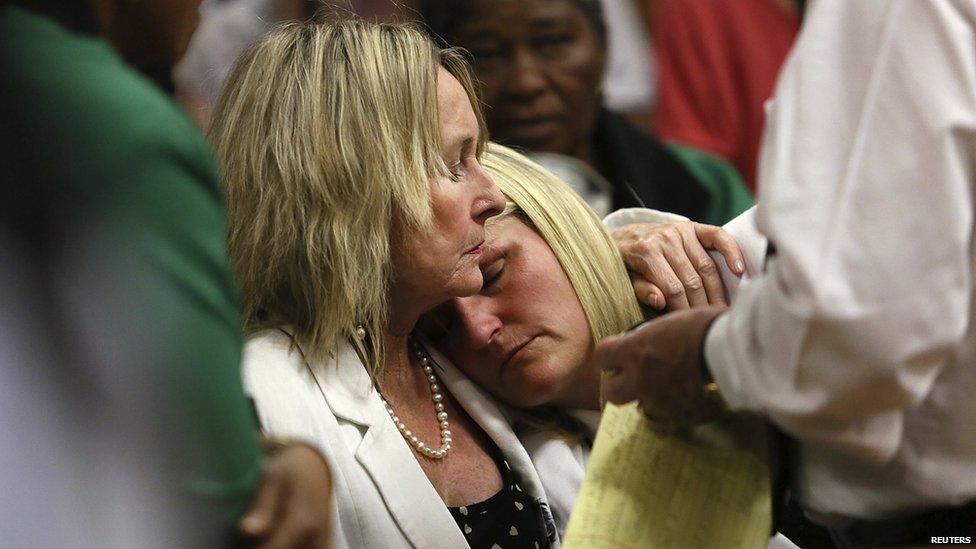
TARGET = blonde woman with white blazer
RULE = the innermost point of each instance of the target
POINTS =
(350, 154)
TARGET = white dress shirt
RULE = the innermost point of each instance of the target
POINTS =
(858, 339)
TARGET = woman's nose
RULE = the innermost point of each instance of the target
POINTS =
(490, 201)
(525, 78)
(476, 320)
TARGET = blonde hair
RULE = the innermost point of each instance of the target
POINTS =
(325, 133)
(575, 234)
(583, 248)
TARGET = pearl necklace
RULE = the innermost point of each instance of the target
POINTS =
(438, 398)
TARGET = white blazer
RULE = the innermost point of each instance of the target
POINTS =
(381, 496)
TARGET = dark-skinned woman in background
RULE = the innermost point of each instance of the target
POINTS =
(540, 64)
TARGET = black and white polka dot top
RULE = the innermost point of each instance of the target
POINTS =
(508, 519)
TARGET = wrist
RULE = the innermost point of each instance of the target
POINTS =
(709, 386)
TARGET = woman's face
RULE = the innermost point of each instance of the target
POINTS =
(524, 336)
(541, 63)
(431, 267)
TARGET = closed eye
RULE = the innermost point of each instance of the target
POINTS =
(456, 172)
(492, 274)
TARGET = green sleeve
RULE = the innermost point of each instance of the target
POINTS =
(729, 195)
(132, 221)
(163, 226)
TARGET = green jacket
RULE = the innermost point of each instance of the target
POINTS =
(113, 187)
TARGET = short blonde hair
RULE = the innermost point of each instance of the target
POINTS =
(575, 234)
(325, 133)
(584, 249)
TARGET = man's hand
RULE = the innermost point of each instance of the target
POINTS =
(292, 506)
(669, 266)
(660, 364)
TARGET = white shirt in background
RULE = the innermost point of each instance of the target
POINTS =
(629, 82)
(858, 339)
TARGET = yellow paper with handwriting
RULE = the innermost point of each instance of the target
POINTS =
(703, 488)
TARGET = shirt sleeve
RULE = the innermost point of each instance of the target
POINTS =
(148, 289)
(867, 197)
(631, 216)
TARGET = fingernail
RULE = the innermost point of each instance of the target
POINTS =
(739, 267)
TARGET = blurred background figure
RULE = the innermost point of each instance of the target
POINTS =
(541, 65)
(227, 27)
(717, 62)
(125, 424)
(629, 81)
(120, 241)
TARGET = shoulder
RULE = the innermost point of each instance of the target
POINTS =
(270, 359)
(630, 150)
(634, 158)
(270, 341)
(611, 124)
(286, 394)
